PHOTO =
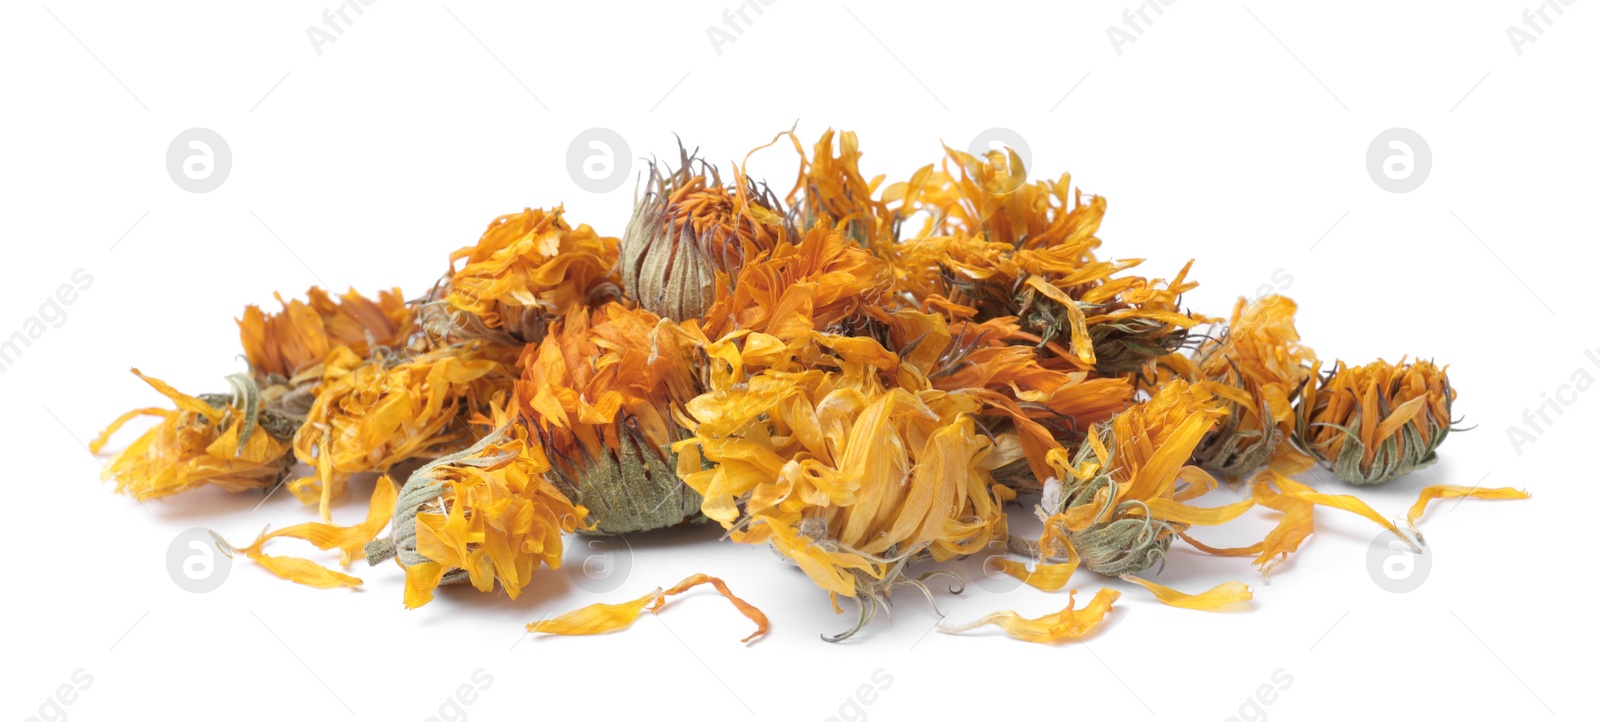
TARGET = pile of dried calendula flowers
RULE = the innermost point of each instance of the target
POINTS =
(863, 376)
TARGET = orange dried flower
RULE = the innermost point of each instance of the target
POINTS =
(524, 273)
(824, 283)
(830, 189)
(1257, 367)
(371, 415)
(299, 338)
(1121, 499)
(600, 391)
(1373, 423)
(690, 233)
(214, 439)
(1029, 408)
(847, 477)
(482, 515)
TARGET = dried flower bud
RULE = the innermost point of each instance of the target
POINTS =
(1122, 493)
(689, 230)
(482, 515)
(223, 440)
(1376, 422)
(599, 391)
(1256, 367)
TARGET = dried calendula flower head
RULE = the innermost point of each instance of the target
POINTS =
(371, 415)
(1029, 408)
(849, 478)
(1028, 250)
(600, 391)
(1376, 422)
(831, 190)
(223, 440)
(287, 343)
(286, 349)
(523, 274)
(823, 283)
(1119, 502)
(1083, 312)
(482, 515)
(1257, 366)
(690, 232)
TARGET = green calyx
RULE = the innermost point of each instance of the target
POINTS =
(1392, 459)
(632, 489)
(1127, 544)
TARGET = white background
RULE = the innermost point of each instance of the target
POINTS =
(1235, 135)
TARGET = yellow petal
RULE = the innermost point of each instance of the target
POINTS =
(421, 580)
(1214, 598)
(304, 571)
(1044, 577)
(1068, 623)
(596, 618)
(603, 618)
(1169, 510)
(1346, 502)
(348, 539)
(1451, 492)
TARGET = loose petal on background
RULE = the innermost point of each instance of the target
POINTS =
(1068, 623)
(1451, 492)
(1214, 598)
